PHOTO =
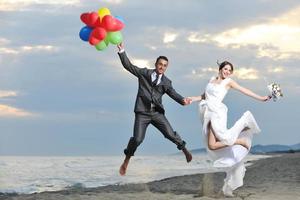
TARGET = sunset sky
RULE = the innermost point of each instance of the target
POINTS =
(60, 96)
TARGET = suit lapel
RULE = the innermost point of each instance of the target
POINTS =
(149, 76)
(162, 80)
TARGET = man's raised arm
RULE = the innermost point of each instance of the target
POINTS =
(126, 62)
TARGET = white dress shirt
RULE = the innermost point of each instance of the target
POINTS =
(153, 77)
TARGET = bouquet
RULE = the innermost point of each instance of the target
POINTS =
(275, 91)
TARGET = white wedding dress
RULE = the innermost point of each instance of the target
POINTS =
(231, 157)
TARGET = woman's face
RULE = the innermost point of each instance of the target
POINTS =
(225, 71)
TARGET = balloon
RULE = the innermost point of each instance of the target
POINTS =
(106, 39)
(97, 35)
(120, 18)
(111, 24)
(115, 37)
(101, 28)
(84, 33)
(84, 17)
(91, 19)
(103, 12)
(101, 45)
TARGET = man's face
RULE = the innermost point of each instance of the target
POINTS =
(161, 66)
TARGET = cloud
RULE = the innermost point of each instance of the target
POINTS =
(19, 5)
(201, 72)
(141, 63)
(246, 73)
(240, 73)
(284, 37)
(278, 39)
(8, 111)
(28, 49)
(152, 47)
(23, 5)
(291, 17)
(169, 37)
(195, 37)
(114, 1)
(275, 69)
(4, 41)
(38, 48)
(7, 93)
(8, 51)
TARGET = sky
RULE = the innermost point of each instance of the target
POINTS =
(60, 96)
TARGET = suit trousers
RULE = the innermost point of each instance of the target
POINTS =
(158, 120)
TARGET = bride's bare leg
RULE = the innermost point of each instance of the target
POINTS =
(213, 143)
(243, 142)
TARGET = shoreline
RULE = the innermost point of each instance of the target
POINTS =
(276, 177)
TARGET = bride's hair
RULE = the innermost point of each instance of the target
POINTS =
(223, 64)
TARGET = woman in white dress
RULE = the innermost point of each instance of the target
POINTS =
(226, 147)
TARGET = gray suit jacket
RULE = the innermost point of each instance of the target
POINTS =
(148, 93)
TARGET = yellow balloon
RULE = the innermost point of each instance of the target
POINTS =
(102, 12)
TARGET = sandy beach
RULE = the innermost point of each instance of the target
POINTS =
(277, 177)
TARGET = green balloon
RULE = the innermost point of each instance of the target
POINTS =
(101, 45)
(106, 40)
(115, 37)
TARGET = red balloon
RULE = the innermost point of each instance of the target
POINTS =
(91, 19)
(97, 35)
(84, 17)
(112, 24)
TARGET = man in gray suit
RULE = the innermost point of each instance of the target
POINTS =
(148, 106)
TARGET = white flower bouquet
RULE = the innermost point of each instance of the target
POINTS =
(275, 91)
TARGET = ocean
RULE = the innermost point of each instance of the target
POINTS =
(28, 175)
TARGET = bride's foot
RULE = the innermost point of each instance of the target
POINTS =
(227, 191)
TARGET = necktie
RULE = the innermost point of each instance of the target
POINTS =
(156, 80)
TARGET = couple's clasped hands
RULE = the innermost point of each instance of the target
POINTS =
(187, 101)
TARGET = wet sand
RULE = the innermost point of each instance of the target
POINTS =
(275, 178)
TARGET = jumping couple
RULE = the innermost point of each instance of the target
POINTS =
(226, 147)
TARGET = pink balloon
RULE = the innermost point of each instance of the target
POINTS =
(111, 24)
(97, 35)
